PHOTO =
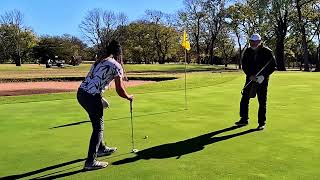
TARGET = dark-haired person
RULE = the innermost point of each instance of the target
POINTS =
(254, 59)
(89, 96)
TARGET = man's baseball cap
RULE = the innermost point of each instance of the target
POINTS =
(255, 37)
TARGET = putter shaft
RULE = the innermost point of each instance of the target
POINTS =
(131, 117)
(256, 75)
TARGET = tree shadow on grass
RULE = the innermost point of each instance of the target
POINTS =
(184, 147)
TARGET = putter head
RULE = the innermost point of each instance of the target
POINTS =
(105, 103)
(135, 150)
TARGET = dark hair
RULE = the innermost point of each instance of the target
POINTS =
(113, 48)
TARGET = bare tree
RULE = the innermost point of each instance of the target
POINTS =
(214, 22)
(299, 4)
(233, 20)
(122, 18)
(122, 22)
(164, 33)
(155, 18)
(14, 17)
(193, 18)
(91, 27)
(99, 27)
(226, 46)
(280, 11)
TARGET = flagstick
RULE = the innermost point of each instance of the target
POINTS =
(185, 80)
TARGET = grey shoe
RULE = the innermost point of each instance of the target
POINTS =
(95, 165)
(242, 122)
(261, 127)
(106, 152)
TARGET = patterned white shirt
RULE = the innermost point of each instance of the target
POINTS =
(101, 75)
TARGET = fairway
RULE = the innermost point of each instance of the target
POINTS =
(10, 71)
(46, 136)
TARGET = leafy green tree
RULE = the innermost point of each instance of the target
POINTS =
(16, 41)
(65, 47)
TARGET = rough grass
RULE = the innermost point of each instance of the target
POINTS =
(28, 71)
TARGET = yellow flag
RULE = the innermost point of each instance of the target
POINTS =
(185, 41)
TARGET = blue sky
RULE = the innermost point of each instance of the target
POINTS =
(56, 17)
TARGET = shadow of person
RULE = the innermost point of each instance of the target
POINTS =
(169, 150)
(23, 175)
(184, 147)
(58, 173)
(56, 176)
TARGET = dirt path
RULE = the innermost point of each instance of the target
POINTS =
(28, 88)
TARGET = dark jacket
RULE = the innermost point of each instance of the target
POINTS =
(254, 60)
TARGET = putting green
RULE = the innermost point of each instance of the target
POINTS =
(47, 136)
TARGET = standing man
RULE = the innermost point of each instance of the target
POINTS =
(256, 58)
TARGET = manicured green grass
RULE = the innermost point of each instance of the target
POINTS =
(181, 144)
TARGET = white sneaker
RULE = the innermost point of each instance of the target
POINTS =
(106, 152)
(95, 165)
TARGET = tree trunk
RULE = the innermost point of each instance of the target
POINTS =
(159, 57)
(18, 62)
(240, 53)
(212, 41)
(318, 59)
(305, 50)
(304, 38)
(162, 60)
(211, 51)
(197, 43)
(281, 32)
(17, 59)
(280, 54)
(206, 51)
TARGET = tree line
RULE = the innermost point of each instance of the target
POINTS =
(218, 31)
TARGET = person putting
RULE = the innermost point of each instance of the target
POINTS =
(89, 95)
(258, 64)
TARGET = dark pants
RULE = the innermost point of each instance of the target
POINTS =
(93, 106)
(262, 90)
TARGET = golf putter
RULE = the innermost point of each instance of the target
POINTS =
(134, 150)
